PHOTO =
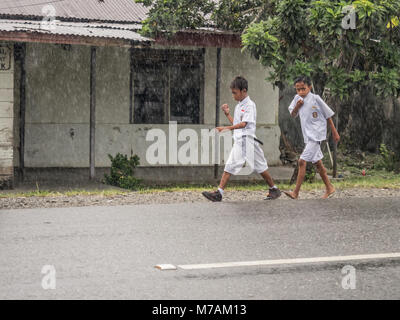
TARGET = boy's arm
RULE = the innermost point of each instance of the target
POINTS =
(229, 118)
(296, 109)
(225, 108)
(328, 113)
(335, 134)
(236, 126)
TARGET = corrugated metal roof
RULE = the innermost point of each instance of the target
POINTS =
(79, 29)
(105, 10)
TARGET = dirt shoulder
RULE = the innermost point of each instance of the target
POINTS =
(166, 197)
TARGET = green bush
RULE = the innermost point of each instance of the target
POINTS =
(122, 170)
(388, 159)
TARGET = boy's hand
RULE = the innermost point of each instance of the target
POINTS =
(295, 111)
(335, 137)
(299, 103)
(220, 129)
(335, 134)
(225, 109)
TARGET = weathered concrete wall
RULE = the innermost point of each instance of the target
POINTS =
(112, 86)
(57, 105)
(6, 117)
(153, 175)
(235, 63)
(57, 110)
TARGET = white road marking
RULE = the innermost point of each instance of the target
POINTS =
(164, 267)
(290, 261)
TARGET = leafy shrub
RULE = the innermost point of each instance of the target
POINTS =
(122, 170)
(388, 159)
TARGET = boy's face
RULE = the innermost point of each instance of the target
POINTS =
(302, 89)
(239, 95)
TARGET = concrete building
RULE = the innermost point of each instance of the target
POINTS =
(89, 85)
(6, 115)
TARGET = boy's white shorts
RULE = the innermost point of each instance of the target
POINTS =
(246, 150)
(312, 152)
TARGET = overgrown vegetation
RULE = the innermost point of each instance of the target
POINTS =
(356, 68)
(122, 172)
(389, 160)
(351, 164)
(292, 37)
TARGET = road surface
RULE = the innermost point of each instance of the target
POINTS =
(110, 252)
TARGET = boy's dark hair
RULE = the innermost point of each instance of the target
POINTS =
(306, 80)
(240, 83)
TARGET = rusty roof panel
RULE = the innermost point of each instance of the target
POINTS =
(78, 29)
(105, 10)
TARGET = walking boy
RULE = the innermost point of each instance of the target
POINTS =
(246, 147)
(314, 116)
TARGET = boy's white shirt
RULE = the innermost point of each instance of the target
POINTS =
(245, 111)
(313, 115)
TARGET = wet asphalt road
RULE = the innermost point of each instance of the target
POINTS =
(110, 252)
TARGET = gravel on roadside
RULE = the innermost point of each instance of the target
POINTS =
(133, 198)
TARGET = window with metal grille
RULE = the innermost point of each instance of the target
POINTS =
(168, 85)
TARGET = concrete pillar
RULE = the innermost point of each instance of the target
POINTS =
(6, 115)
(92, 152)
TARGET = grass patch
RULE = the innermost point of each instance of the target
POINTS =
(381, 182)
(373, 179)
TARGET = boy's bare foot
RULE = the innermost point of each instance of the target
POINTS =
(328, 193)
(291, 195)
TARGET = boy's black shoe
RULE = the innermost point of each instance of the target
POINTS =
(213, 196)
(273, 194)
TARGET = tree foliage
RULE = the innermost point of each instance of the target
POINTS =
(310, 39)
(169, 16)
(302, 37)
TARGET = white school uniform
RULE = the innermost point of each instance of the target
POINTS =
(313, 115)
(245, 149)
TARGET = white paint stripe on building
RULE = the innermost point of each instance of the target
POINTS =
(378, 256)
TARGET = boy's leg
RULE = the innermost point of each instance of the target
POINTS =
(274, 192)
(224, 180)
(330, 189)
(260, 165)
(268, 179)
(300, 178)
(312, 153)
(233, 165)
(217, 195)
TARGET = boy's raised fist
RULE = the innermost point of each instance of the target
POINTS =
(300, 103)
(225, 108)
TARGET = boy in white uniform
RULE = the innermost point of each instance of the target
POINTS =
(314, 116)
(246, 147)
